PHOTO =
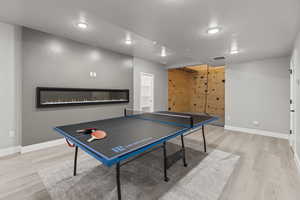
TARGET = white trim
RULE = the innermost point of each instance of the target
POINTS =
(258, 132)
(293, 84)
(297, 161)
(9, 151)
(43, 145)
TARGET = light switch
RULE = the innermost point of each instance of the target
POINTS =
(11, 133)
(93, 74)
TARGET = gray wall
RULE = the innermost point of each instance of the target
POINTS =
(296, 61)
(160, 82)
(258, 91)
(10, 76)
(51, 61)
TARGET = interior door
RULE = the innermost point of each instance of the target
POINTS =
(147, 93)
(292, 138)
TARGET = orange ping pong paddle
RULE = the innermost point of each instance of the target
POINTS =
(97, 135)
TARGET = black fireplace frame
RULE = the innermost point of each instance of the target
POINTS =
(40, 89)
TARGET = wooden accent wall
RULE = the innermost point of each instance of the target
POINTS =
(216, 92)
(197, 89)
(179, 94)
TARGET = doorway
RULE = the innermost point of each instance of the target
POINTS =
(147, 92)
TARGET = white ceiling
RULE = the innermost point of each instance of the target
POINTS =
(259, 28)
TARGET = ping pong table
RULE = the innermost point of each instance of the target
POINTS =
(134, 135)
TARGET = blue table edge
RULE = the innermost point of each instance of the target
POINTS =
(116, 159)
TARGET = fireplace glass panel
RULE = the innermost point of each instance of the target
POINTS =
(58, 96)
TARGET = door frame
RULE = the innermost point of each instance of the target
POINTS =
(152, 89)
(293, 84)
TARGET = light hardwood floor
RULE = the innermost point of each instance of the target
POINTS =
(266, 170)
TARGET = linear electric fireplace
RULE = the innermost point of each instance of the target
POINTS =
(57, 97)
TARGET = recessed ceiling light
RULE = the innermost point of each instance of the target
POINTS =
(234, 51)
(163, 52)
(128, 42)
(82, 25)
(213, 30)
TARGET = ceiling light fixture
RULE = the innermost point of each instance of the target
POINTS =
(213, 30)
(128, 41)
(163, 52)
(234, 51)
(82, 25)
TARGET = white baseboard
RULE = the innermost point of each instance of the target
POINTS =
(29, 148)
(9, 151)
(258, 132)
(43, 145)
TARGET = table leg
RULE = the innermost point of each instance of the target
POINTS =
(204, 141)
(118, 181)
(183, 152)
(75, 161)
(165, 162)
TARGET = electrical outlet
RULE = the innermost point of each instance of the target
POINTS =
(11, 133)
(255, 123)
(228, 118)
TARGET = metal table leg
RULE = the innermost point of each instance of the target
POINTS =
(204, 141)
(118, 181)
(165, 162)
(183, 152)
(75, 161)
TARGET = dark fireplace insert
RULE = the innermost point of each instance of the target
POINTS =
(57, 97)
